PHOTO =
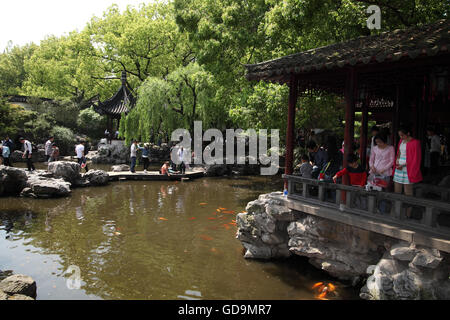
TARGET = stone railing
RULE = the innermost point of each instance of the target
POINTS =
(419, 213)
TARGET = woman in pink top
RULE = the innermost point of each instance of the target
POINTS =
(382, 157)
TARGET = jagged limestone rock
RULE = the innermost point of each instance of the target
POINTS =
(396, 269)
(67, 170)
(427, 258)
(12, 180)
(3, 296)
(19, 284)
(396, 277)
(97, 177)
(404, 253)
(42, 187)
(261, 235)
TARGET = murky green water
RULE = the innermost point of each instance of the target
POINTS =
(114, 234)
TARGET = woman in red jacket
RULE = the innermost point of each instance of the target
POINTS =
(407, 164)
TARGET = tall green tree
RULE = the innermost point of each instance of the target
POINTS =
(12, 67)
(142, 41)
(187, 95)
(226, 34)
(60, 68)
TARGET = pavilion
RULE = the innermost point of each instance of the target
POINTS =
(122, 102)
(399, 76)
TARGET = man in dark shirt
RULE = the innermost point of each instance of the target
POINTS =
(319, 157)
(9, 143)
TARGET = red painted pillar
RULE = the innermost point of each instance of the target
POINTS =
(350, 95)
(293, 95)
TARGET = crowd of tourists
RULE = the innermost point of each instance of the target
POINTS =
(51, 151)
(387, 168)
(109, 136)
(168, 168)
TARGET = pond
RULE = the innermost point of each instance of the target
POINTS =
(149, 240)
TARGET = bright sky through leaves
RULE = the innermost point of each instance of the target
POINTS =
(24, 21)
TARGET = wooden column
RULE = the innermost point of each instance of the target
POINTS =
(109, 124)
(293, 95)
(396, 116)
(364, 129)
(350, 95)
(420, 131)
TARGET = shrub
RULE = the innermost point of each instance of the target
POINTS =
(91, 123)
(64, 139)
(12, 120)
(65, 113)
(38, 129)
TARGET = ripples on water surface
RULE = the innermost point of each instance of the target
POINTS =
(148, 240)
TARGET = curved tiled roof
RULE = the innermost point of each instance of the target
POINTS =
(120, 103)
(427, 40)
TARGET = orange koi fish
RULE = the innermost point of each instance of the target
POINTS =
(218, 210)
(228, 212)
(331, 287)
(164, 219)
(211, 218)
(192, 218)
(323, 294)
(318, 284)
(205, 237)
(203, 203)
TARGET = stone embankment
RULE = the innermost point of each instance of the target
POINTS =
(56, 182)
(390, 269)
(18, 287)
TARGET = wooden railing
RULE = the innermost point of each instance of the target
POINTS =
(424, 214)
(428, 191)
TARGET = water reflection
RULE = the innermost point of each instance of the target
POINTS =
(147, 240)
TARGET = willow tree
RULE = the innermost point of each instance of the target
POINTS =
(163, 105)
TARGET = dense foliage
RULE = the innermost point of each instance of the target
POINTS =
(185, 60)
(12, 119)
(91, 123)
